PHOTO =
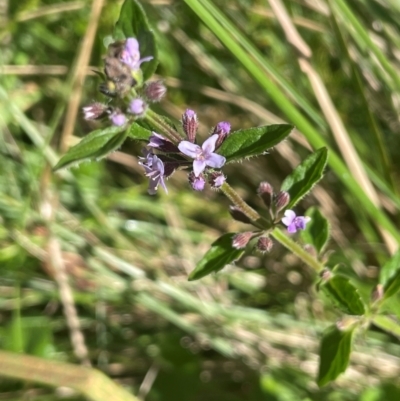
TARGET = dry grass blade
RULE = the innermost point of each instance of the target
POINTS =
(89, 382)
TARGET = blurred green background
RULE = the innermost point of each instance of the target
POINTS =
(250, 332)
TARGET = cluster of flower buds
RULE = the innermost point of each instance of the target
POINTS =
(171, 157)
(275, 203)
(124, 83)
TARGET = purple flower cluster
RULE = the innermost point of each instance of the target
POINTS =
(122, 70)
(172, 156)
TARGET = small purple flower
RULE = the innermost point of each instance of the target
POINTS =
(197, 183)
(294, 222)
(131, 55)
(203, 156)
(118, 118)
(137, 106)
(154, 168)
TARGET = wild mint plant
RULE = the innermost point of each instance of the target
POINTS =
(130, 61)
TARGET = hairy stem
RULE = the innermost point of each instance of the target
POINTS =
(288, 243)
(239, 202)
(163, 127)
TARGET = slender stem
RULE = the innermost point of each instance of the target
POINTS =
(288, 243)
(162, 126)
(239, 202)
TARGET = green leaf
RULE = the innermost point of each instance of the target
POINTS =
(95, 145)
(220, 254)
(344, 295)
(138, 132)
(390, 276)
(305, 176)
(132, 23)
(253, 142)
(334, 354)
(387, 323)
(317, 230)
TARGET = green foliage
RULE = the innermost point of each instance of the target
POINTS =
(139, 133)
(389, 276)
(334, 354)
(133, 22)
(305, 176)
(94, 146)
(219, 255)
(343, 294)
(253, 142)
(317, 230)
(128, 255)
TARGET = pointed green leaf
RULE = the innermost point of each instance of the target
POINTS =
(390, 275)
(317, 230)
(219, 255)
(138, 132)
(344, 295)
(132, 23)
(253, 142)
(387, 323)
(305, 176)
(95, 145)
(334, 354)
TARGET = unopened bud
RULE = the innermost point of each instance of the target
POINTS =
(159, 142)
(197, 183)
(190, 124)
(264, 244)
(281, 200)
(240, 240)
(155, 91)
(137, 106)
(326, 275)
(117, 118)
(222, 129)
(216, 179)
(94, 111)
(238, 215)
(311, 250)
(266, 192)
(378, 293)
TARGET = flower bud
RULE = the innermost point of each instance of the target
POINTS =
(117, 118)
(222, 129)
(281, 200)
(197, 183)
(137, 107)
(190, 124)
(238, 215)
(94, 111)
(240, 240)
(216, 179)
(266, 192)
(378, 293)
(264, 244)
(159, 142)
(311, 250)
(155, 91)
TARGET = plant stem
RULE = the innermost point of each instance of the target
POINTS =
(164, 128)
(288, 243)
(239, 202)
